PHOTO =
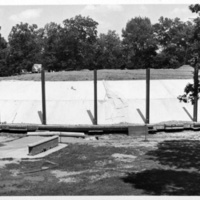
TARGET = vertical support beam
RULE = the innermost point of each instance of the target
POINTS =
(95, 97)
(196, 81)
(43, 96)
(147, 94)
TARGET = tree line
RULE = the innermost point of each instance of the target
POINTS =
(75, 45)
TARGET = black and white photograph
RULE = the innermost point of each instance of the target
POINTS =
(99, 99)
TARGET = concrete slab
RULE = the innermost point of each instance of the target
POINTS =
(18, 148)
(72, 102)
(73, 140)
(66, 140)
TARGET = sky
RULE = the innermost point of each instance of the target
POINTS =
(112, 16)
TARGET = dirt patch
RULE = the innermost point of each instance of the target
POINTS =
(34, 178)
(68, 180)
(61, 174)
(101, 163)
(124, 141)
(124, 157)
(31, 160)
(66, 177)
(94, 178)
(73, 177)
(14, 172)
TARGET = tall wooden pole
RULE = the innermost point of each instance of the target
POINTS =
(196, 81)
(43, 96)
(95, 98)
(147, 94)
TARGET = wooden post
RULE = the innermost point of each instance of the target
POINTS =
(95, 97)
(147, 94)
(43, 97)
(196, 82)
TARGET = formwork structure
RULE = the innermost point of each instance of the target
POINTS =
(71, 103)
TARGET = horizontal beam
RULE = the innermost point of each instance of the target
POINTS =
(51, 133)
(84, 128)
(98, 129)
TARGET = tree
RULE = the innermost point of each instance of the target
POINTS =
(138, 43)
(173, 37)
(195, 8)
(191, 91)
(110, 50)
(3, 53)
(71, 46)
(25, 47)
(53, 46)
(78, 42)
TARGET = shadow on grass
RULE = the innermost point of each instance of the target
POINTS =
(165, 182)
(177, 153)
(1, 145)
(178, 173)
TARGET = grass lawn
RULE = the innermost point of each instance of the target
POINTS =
(184, 72)
(166, 164)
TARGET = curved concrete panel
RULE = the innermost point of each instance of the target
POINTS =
(72, 102)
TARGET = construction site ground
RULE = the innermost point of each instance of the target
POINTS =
(112, 164)
(165, 163)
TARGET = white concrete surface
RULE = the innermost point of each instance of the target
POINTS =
(71, 102)
(18, 148)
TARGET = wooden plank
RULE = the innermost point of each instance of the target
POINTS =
(64, 134)
(18, 128)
